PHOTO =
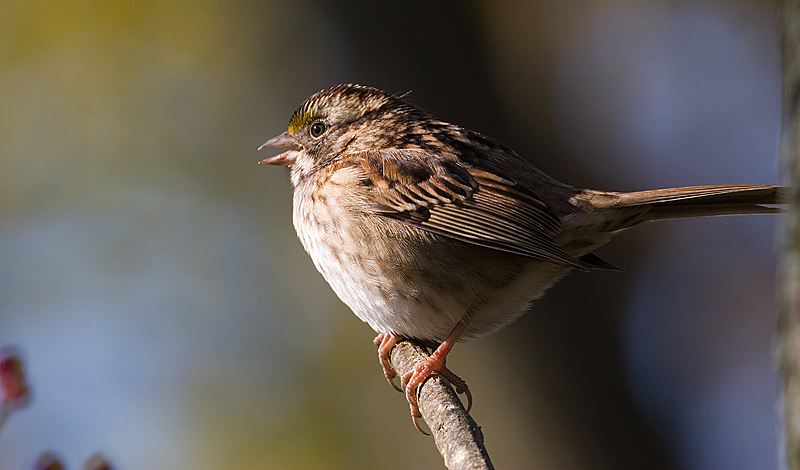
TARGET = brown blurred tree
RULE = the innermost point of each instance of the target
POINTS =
(789, 284)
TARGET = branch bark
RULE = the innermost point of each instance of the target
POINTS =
(788, 344)
(457, 436)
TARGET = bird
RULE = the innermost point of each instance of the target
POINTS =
(430, 231)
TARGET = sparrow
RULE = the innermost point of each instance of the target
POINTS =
(434, 232)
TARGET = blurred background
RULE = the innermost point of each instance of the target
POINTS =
(170, 319)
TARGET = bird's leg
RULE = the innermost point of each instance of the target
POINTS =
(413, 380)
(456, 381)
(385, 342)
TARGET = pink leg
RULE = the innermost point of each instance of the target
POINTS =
(385, 342)
(414, 379)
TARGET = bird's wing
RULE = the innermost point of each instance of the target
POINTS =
(472, 205)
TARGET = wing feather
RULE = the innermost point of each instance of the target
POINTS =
(473, 205)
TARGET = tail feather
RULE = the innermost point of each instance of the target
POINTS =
(718, 194)
(685, 202)
(707, 201)
(605, 213)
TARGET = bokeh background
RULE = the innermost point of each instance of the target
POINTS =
(170, 319)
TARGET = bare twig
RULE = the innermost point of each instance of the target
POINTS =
(788, 344)
(456, 434)
(4, 414)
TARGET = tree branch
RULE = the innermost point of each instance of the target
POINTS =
(456, 434)
(788, 343)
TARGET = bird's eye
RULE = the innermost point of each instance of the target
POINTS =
(318, 128)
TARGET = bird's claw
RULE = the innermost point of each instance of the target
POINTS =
(411, 381)
(385, 342)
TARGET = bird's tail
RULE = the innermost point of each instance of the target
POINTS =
(708, 201)
(685, 202)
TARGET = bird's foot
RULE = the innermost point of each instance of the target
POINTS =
(414, 379)
(385, 342)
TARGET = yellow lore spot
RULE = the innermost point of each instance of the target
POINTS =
(298, 122)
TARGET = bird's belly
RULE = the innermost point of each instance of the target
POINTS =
(422, 287)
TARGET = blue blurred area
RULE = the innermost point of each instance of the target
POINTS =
(169, 318)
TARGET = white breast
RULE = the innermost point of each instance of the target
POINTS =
(427, 297)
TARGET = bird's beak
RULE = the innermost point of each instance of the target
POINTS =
(282, 159)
